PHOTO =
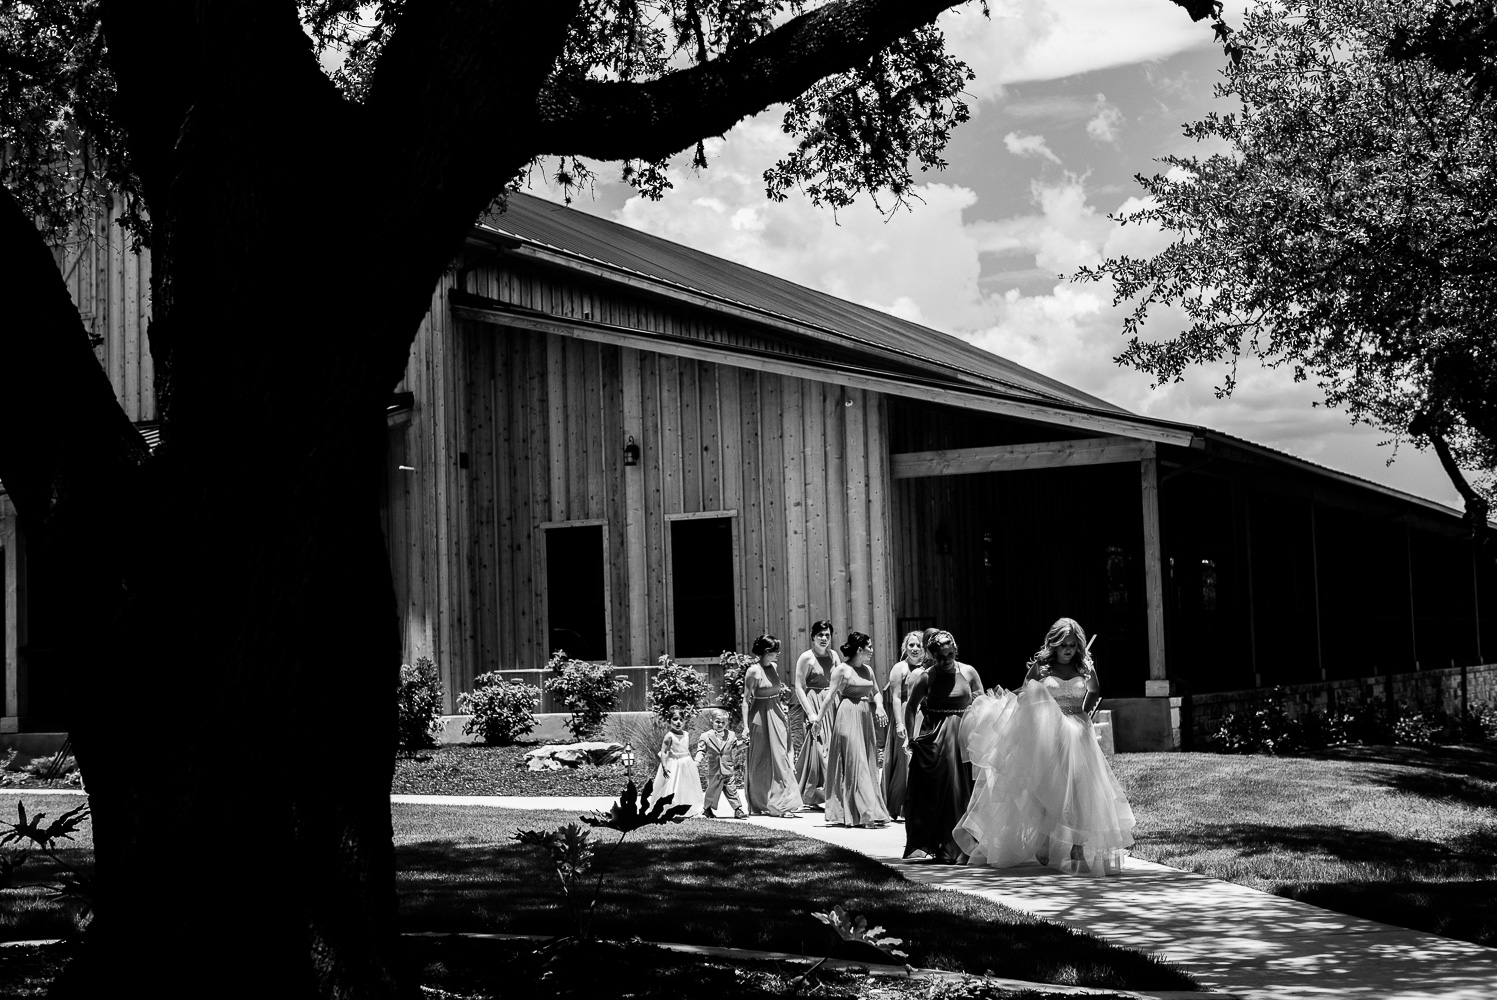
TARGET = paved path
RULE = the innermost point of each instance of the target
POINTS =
(1233, 939)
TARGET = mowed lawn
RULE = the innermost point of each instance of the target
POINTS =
(735, 885)
(1399, 835)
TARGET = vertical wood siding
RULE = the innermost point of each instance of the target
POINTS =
(111, 286)
(542, 420)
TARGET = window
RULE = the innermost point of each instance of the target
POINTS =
(704, 586)
(576, 590)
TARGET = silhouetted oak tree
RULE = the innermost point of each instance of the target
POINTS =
(233, 650)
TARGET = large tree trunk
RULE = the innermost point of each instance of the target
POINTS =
(235, 650)
(234, 654)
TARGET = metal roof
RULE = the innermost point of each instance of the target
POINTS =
(578, 236)
(535, 220)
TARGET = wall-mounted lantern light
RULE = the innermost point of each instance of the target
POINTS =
(631, 451)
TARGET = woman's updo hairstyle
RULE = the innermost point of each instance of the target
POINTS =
(930, 636)
(855, 641)
(765, 644)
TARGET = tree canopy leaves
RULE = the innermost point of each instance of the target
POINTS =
(1346, 228)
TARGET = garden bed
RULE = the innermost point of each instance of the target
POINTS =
(478, 769)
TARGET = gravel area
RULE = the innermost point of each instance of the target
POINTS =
(477, 769)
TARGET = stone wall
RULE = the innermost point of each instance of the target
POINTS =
(1424, 689)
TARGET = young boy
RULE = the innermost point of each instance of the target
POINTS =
(717, 747)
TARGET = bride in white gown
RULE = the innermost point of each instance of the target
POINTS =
(1045, 791)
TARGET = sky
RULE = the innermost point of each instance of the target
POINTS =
(1072, 100)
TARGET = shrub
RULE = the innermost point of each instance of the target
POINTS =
(502, 710)
(730, 694)
(1415, 729)
(1479, 722)
(41, 767)
(589, 690)
(676, 685)
(420, 702)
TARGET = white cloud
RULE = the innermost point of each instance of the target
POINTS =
(1104, 125)
(926, 265)
(1020, 144)
(1048, 39)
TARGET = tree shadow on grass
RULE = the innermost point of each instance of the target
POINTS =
(1468, 760)
(1444, 888)
(749, 887)
(1464, 910)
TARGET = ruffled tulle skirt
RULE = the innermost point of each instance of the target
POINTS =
(678, 778)
(1044, 792)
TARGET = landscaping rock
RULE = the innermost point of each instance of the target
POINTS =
(553, 756)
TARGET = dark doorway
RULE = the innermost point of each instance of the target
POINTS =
(703, 587)
(575, 592)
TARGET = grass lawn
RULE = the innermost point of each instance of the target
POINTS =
(730, 884)
(1395, 834)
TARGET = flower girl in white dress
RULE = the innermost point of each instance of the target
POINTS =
(677, 775)
(1045, 791)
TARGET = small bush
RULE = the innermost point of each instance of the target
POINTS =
(41, 767)
(420, 703)
(1479, 722)
(589, 690)
(730, 694)
(503, 710)
(676, 685)
(1415, 729)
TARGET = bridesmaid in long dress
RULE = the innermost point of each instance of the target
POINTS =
(1046, 791)
(896, 763)
(940, 783)
(811, 710)
(853, 795)
(771, 779)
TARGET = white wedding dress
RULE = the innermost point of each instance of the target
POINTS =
(1043, 784)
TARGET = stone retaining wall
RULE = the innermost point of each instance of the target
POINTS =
(1449, 689)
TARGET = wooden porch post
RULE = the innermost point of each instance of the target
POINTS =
(1153, 571)
(634, 511)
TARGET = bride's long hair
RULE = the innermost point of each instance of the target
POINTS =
(1045, 658)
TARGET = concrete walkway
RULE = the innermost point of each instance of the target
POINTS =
(1233, 939)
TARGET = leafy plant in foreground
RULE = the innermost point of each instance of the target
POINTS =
(572, 851)
(854, 927)
(73, 887)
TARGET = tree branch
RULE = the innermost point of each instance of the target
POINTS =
(170, 57)
(615, 120)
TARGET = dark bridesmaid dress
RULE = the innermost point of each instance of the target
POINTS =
(940, 782)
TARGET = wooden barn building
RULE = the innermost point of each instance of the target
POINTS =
(618, 446)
